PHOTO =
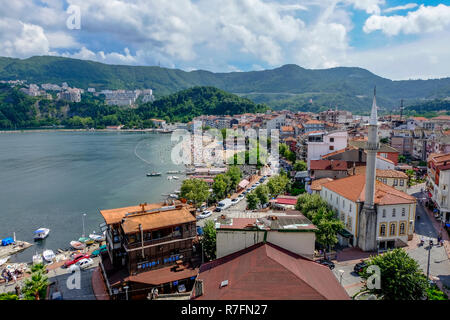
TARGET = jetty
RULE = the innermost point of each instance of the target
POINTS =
(13, 248)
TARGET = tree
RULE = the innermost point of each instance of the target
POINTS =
(252, 201)
(401, 159)
(326, 232)
(262, 192)
(209, 240)
(195, 190)
(410, 173)
(278, 184)
(400, 275)
(300, 165)
(36, 286)
(221, 186)
(291, 156)
(235, 175)
(384, 140)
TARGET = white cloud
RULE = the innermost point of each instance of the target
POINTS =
(399, 8)
(370, 6)
(20, 39)
(424, 20)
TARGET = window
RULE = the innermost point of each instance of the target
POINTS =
(402, 228)
(403, 212)
(395, 182)
(343, 204)
(350, 208)
(384, 213)
(393, 212)
(383, 230)
(331, 139)
(349, 223)
(385, 180)
(331, 147)
(343, 217)
(392, 229)
(402, 182)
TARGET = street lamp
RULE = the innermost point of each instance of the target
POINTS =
(126, 292)
(378, 244)
(341, 272)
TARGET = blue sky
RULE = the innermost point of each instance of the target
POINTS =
(392, 38)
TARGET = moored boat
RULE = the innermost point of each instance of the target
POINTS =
(77, 245)
(48, 255)
(4, 260)
(97, 237)
(37, 258)
(153, 174)
(41, 233)
(87, 241)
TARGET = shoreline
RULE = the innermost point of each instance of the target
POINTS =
(86, 130)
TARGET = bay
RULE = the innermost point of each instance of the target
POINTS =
(49, 179)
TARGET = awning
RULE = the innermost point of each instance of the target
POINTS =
(243, 184)
(345, 233)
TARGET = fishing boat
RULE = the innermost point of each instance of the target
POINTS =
(175, 177)
(48, 255)
(4, 260)
(85, 240)
(41, 233)
(77, 245)
(37, 258)
(153, 174)
(97, 237)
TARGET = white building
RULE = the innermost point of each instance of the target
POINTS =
(438, 182)
(395, 210)
(291, 232)
(322, 143)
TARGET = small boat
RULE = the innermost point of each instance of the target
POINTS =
(153, 174)
(173, 195)
(169, 178)
(48, 255)
(77, 245)
(175, 177)
(87, 241)
(4, 260)
(37, 258)
(41, 233)
(175, 171)
(97, 237)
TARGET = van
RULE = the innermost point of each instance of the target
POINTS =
(224, 204)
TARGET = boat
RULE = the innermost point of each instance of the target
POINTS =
(87, 241)
(169, 178)
(48, 255)
(41, 233)
(153, 174)
(175, 177)
(77, 245)
(4, 260)
(37, 258)
(97, 237)
(173, 195)
(175, 171)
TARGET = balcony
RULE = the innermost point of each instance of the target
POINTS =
(137, 244)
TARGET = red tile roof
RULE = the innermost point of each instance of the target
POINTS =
(335, 165)
(317, 184)
(267, 272)
(353, 189)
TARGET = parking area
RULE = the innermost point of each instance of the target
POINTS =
(73, 288)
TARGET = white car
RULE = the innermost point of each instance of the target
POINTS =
(204, 214)
(82, 264)
(235, 200)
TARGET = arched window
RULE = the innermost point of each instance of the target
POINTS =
(382, 230)
(392, 229)
(402, 228)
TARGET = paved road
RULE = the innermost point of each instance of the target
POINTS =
(439, 262)
(71, 291)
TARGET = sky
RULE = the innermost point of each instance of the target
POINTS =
(391, 38)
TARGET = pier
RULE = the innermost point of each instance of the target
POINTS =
(14, 248)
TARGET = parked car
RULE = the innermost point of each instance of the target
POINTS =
(204, 214)
(99, 251)
(327, 263)
(359, 267)
(82, 264)
(75, 259)
(241, 196)
(218, 209)
(235, 200)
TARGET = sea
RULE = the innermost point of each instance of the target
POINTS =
(60, 180)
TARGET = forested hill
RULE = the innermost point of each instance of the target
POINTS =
(289, 86)
(18, 110)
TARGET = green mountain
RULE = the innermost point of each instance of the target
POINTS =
(18, 110)
(289, 86)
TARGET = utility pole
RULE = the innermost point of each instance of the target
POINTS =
(430, 245)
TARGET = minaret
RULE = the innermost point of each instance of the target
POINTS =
(368, 217)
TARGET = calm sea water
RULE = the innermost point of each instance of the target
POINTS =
(50, 179)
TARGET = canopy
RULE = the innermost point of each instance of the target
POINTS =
(7, 241)
(40, 230)
(243, 183)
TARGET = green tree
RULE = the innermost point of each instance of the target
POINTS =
(291, 156)
(195, 190)
(401, 159)
(35, 287)
(410, 173)
(221, 186)
(235, 175)
(278, 184)
(8, 296)
(209, 240)
(326, 233)
(262, 192)
(300, 165)
(252, 201)
(400, 275)
(384, 140)
(433, 293)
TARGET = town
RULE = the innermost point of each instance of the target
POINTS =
(346, 192)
